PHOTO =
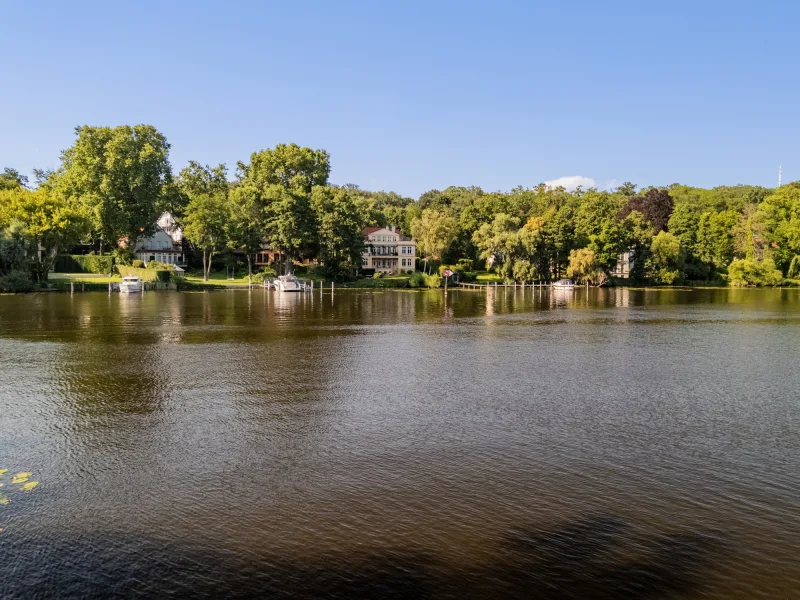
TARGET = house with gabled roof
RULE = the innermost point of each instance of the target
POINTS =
(388, 250)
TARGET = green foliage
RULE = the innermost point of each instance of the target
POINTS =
(91, 263)
(204, 225)
(433, 231)
(752, 273)
(665, 263)
(145, 274)
(120, 177)
(47, 219)
(433, 281)
(584, 267)
(11, 179)
(377, 275)
(417, 279)
(16, 282)
(794, 268)
(339, 223)
(138, 264)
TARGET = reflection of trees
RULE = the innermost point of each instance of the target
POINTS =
(593, 558)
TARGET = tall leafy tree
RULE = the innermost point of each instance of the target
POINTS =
(433, 231)
(339, 229)
(11, 179)
(50, 220)
(120, 175)
(245, 225)
(655, 205)
(284, 177)
(205, 226)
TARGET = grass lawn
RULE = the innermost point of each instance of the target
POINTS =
(486, 277)
(87, 277)
(217, 278)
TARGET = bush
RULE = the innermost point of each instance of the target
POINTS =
(749, 272)
(145, 274)
(83, 263)
(433, 281)
(264, 273)
(417, 279)
(16, 282)
(157, 266)
(138, 264)
(794, 268)
(367, 272)
(377, 275)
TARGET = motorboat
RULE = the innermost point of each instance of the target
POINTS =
(288, 283)
(564, 284)
(130, 284)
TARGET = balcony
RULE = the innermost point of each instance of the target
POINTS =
(375, 252)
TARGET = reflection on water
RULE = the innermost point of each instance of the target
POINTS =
(480, 444)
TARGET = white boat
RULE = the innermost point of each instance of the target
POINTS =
(564, 284)
(130, 285)
(288, 283)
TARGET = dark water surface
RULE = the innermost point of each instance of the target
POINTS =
(589, 444)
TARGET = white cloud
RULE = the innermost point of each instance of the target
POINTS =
(570, 182)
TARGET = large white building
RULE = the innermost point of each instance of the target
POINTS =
(165, 245)
(387, 250)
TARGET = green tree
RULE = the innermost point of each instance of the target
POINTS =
(584, 267)
(11, 179)
(748, 272)
(433, 231)
(665, 263)
(120, 175)
(284, 177)
(339, 229)
(49, 220)
(244, 229)
(205, 225)
(780, 215)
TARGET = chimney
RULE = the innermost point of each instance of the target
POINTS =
(392, 228)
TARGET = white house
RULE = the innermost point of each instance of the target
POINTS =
(165, 245)
(387, 250)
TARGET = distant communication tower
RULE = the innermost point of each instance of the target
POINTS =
(780, 174)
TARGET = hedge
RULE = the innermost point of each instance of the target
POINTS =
(145, 274)
(83, 263)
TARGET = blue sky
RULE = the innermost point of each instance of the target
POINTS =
(410, 95)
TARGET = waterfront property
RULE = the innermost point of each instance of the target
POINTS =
(624, 265)
(165, 245)
(387, 250)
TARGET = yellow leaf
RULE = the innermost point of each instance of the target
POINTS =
(3, 471)
(17, 480)
(3, 499)
(29, 486)
(25, 475)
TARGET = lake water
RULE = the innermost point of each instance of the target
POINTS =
(501, 444)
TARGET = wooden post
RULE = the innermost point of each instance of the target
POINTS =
(331, 287)
(82, 286)
(109, 288)
(71, 287)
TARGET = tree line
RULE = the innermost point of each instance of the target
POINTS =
(112, 185)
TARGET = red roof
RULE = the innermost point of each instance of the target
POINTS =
(370, 230)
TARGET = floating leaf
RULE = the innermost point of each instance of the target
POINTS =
(3, 498)
(29, 486)
(17, 480)
(1, 530)
(3, 471)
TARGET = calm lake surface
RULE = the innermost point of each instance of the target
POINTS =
(502, 444)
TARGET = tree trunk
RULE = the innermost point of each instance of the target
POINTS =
(205, 272)
(210, 259)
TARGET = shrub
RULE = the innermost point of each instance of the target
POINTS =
(138, 264)
(157, 266)
(794, 268)
(367, 272)
(16, 282)
(377, 275)
(749, 272)
(417, 279)
(433, 281)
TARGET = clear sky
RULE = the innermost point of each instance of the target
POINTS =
(413, 95)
